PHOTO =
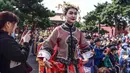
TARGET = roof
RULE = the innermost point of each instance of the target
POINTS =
(57, 17)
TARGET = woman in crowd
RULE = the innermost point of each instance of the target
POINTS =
(124, 57)
(111, 60)
(12, 55)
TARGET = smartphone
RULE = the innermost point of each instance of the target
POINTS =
(24, 33)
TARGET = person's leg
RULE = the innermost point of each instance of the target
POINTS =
(112, 71)
(32, 51)
(117, 68)
(92, 65)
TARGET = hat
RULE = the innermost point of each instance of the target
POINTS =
(123, 39)
(113, 48)
(97, 40)
(88, 37)
(124, 45)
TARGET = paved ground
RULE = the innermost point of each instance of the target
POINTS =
(33, 63)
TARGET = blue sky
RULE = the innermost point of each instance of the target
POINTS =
(85, 5)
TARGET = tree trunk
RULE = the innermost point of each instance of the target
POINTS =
(112, 30)
(99, 29)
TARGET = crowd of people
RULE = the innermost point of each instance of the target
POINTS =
(109, 54)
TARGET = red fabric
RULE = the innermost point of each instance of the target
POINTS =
(59, 68)
(39, 47)
(54, 53)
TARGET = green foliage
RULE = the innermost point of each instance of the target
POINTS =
(29, 11)
(94, 17)
(92, 29)
(115, 15)
(78, 24)
(112, 14)
(122, 2)
(6, 5)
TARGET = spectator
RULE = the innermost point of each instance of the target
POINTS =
(98, 53)
(111, 60)
(12, 56)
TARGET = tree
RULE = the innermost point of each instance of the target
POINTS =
(6, 5)
(115, 14)
(30, 12)
(125, 4)
(35, 12)
(121, 1)
(93, 18)
(78, 24)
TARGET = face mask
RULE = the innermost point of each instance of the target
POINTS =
(13, 35)
(16, 34)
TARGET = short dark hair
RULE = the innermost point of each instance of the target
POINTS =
(7, 16)
(97, 40)
(69, 7)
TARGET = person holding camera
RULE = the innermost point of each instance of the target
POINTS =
(13, 56)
